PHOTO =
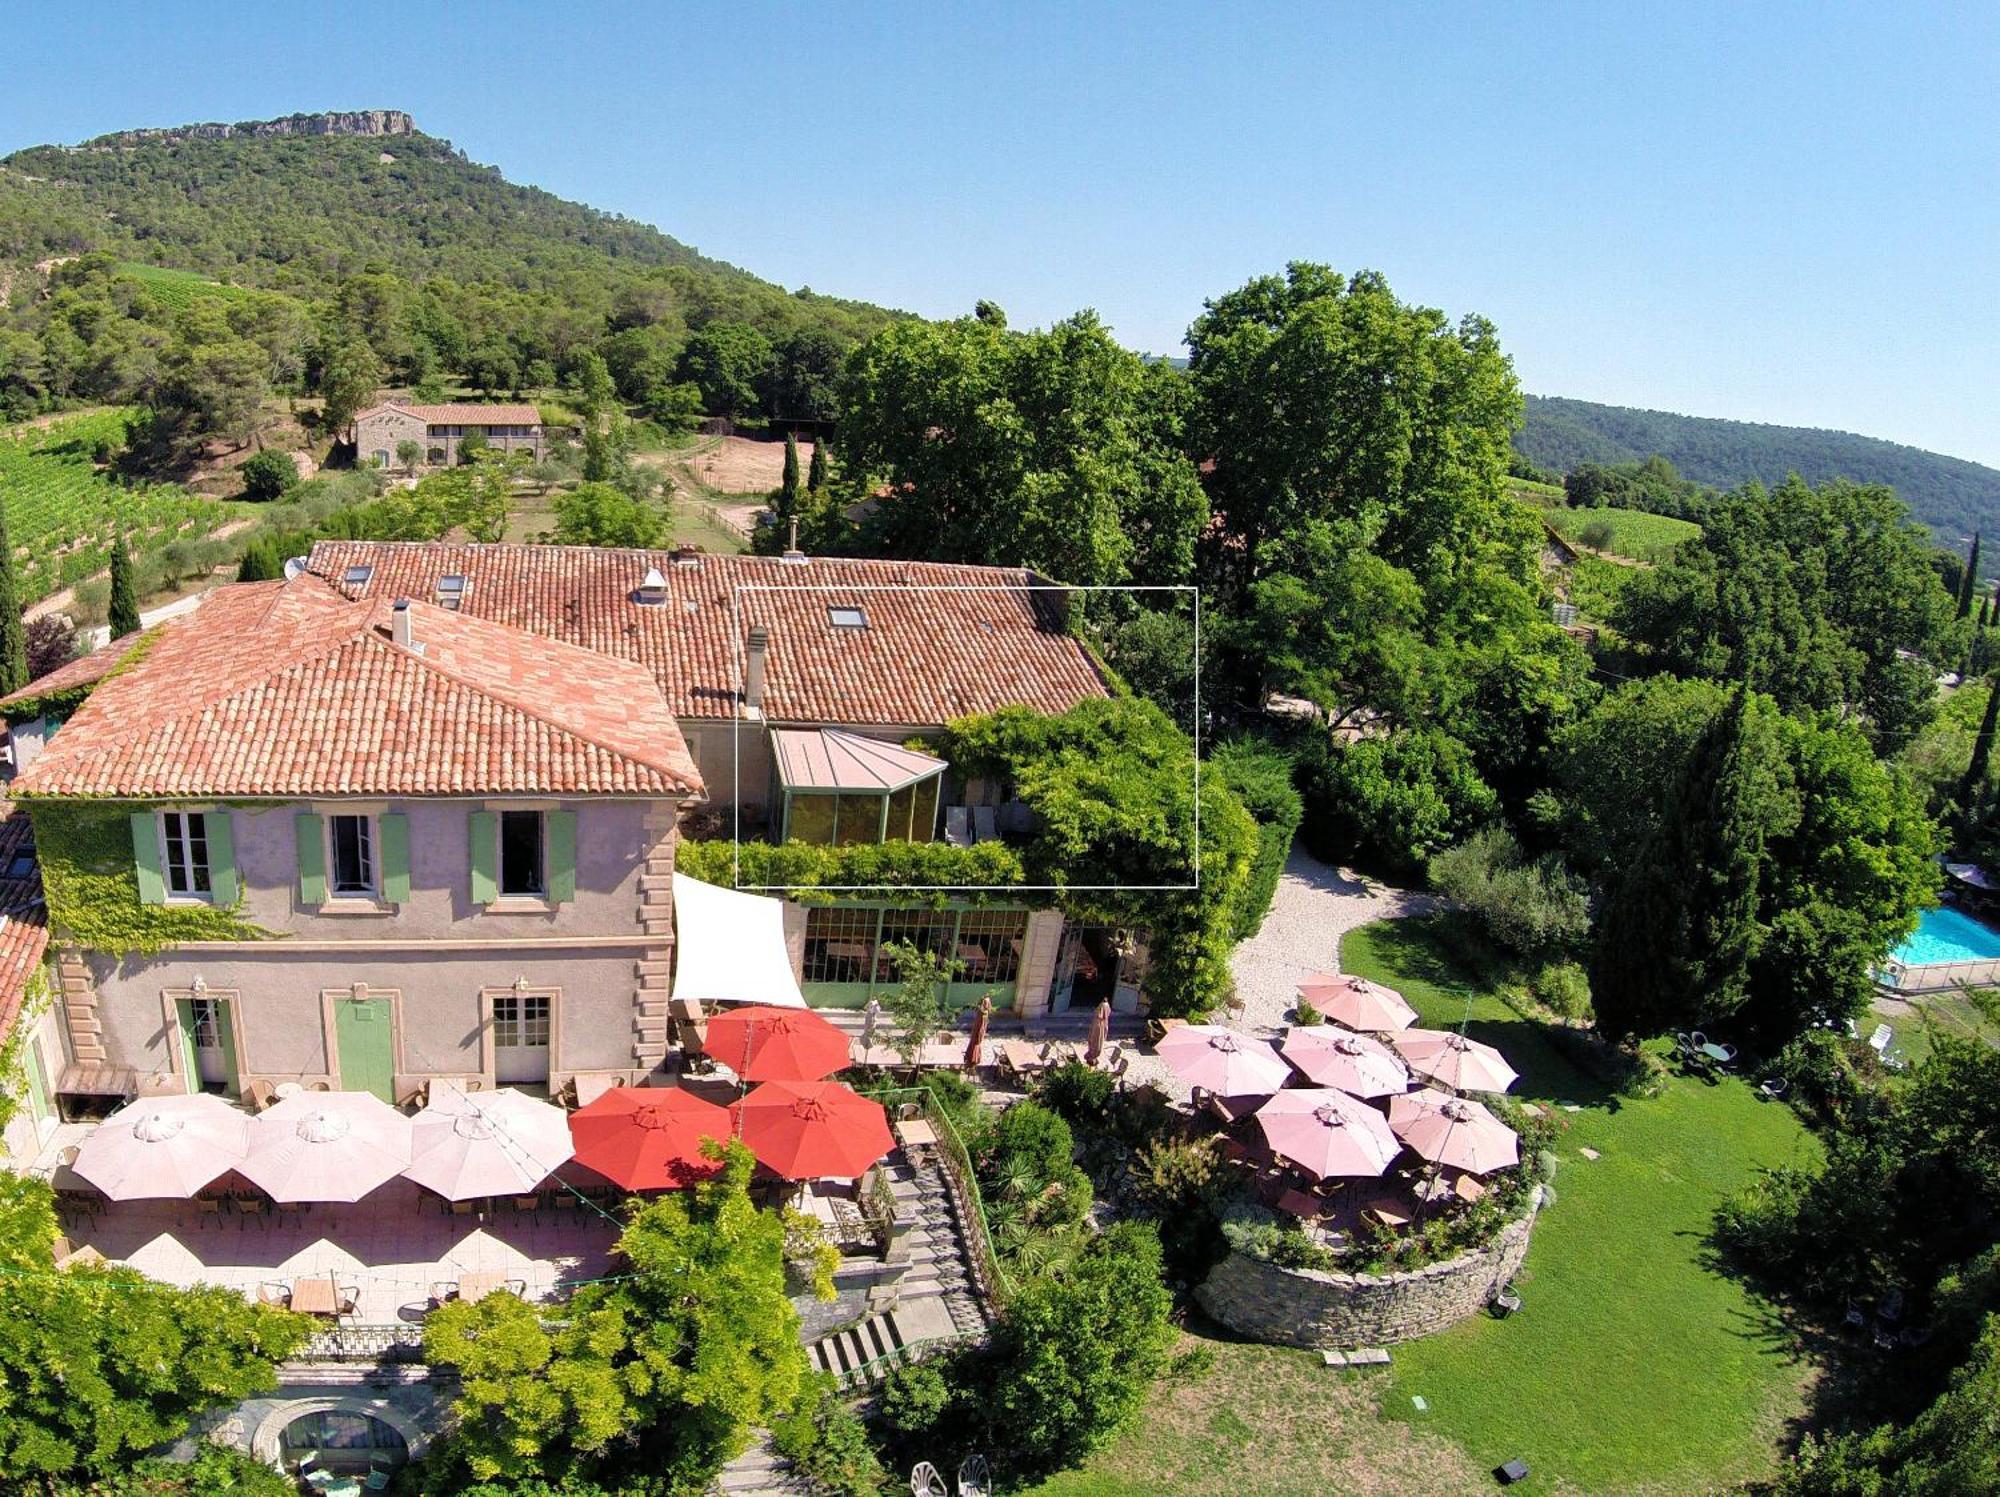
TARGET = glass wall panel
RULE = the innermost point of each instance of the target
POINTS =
(811, 818)
(860, 819)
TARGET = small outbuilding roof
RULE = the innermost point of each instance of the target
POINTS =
(832, 759)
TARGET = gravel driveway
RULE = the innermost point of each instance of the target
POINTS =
(1314, 906)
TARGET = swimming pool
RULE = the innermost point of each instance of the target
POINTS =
(1946, 935)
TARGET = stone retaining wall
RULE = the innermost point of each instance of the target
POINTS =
(1317, 1308)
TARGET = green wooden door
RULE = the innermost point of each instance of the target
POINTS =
(361, 1029)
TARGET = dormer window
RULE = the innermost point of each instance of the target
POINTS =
(451, 591)
(358, 576)
(652, 588)
(847, 616)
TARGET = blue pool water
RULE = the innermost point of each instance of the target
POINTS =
(1945, 935)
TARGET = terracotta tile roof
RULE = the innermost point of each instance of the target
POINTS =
(941, 641)
(289, 688)
(461, 413)
(24, 919)
(85, 670)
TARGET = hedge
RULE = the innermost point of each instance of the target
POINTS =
(1261, 777)
(803, 869)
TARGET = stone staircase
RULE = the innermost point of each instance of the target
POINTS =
(759, 1472)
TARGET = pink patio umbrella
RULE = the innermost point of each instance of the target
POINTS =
(1454, 1131)
(1328, 1132)
(1455, 1061)
(1223, 1061)
(1357, 1002)
(470, 1144)
(326, 1146)
(1359, 1064)
(164, 1148)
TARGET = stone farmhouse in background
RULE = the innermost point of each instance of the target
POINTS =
(440, 430)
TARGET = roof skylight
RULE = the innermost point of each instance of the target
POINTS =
(357, 576)
(846, 616)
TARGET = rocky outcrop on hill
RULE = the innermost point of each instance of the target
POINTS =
(339, 122)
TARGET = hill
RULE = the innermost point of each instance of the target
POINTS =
(1954, 497)
(299, 204)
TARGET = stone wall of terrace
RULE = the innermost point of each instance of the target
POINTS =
(1320, 1308)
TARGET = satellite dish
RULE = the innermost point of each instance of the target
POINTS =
(293, 566)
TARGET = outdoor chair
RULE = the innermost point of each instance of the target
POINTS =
(1684, 1041)
(348, 1298)
(925, 1481)
(275, 1292)
(1699, 1039)
(974, 1478)
(252, 1208)
(293, 1212)
(442, 1290)
(529, 1205)
(1773, 1088)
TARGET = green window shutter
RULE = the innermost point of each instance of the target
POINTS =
(146, 857)
(562, 856)
(485, 856)
(223, 886)
(184, 1022)
(312, 858)
(393, 835)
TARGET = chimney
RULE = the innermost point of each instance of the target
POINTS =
(753, 667)
(399, 624)
(792, 552)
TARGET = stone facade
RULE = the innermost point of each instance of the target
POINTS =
(1315, 1308)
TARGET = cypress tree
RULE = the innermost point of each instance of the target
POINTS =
(816, 473)
(1678, 935)
(788, 488)
(1982, 755)
(1971, 579)
(124, 597)
(1983, 604)
(13, 629)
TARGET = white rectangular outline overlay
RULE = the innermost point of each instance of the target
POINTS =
(740, 646)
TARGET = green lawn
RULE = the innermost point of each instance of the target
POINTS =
(1633, 532)
(1631, 1367)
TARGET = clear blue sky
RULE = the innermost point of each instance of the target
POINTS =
(1771, 211)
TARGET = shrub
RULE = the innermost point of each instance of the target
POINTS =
(1394, 800)
(1597, 534)
(915, 1398)
(268, 475)
(1077, 1093)
(827, 1445)
(1306, 1016)
(1261, 777)
(1538, 909)
(1563, 988)
(1026, 1166)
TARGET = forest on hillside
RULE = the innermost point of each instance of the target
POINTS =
(1952, 496)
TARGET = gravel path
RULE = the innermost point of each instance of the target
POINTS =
(1315, 905)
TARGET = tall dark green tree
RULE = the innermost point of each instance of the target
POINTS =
(1970, 582)
(1984, 605)
(816, 470)
(13, 631)
(788, 486)
(124, 594)
(1982, 753)
(1679, 933)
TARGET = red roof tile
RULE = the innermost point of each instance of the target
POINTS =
(289, 688)
(464, 414)
(85, 670)
(941, 641)
(24, 921)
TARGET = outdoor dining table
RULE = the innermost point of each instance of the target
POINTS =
(1020, 1056)
(1720, 1054)
(916, 1136)
(1388, 1211)
(474, 1287)
(316, 1295)
(1301, 1203)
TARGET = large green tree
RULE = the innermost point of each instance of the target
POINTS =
(1321, 397)
(666, 1368)
(1844, 865)
(597, 514)
(727, 361)
(1824, 599)
(1047, 449)
(124, 593)
(100, 1364)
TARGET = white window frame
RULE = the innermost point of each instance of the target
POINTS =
(371, 851)
(188, 895)
(516, 1028)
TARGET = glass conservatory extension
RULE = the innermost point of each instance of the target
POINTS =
(836, 788)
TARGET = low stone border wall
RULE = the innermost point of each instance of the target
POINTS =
(1317, 1308)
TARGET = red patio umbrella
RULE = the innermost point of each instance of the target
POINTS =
(764, 1043)
(648, 1138)
(810, 1130)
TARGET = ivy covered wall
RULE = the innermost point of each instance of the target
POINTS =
(91, 883)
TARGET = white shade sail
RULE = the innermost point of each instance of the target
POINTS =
(729, 947)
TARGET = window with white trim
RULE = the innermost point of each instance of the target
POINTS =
(351, 840)
(184, 849)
